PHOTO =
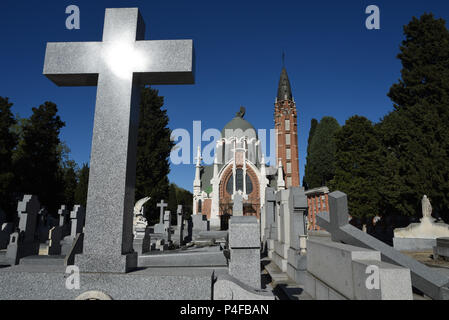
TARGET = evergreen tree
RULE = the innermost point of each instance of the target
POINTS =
(357, 162)
(8, 141)
(70, 183)
(416, 134)
(153, 151)
(320, 166)
(38, 157)
(313, 125)
(172, 201)
(82, 186)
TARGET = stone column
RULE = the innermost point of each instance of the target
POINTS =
(244, 243)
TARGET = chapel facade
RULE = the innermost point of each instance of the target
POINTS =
(240, 166)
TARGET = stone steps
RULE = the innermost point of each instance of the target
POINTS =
(276, 274)
(43, 261)
(183, 259)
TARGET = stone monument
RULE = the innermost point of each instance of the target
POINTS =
(423, 235)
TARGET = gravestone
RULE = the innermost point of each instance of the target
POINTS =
(64, 220)
(24, 242)
(54, 244)
(160, 227)
(237, 208)
(118, 66)
(441, 250)
(179, 232)
(244, 244)
(167, 225)
(77, 218)
(42, 225)
(296, 259)
(5, 233)
(336, 222)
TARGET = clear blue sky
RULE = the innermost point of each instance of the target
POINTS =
(336, 66)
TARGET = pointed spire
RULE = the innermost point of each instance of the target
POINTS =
(284, 89)
(197, 181)
(198, 157)
(280, 182)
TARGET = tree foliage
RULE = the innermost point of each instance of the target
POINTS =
(153, 151)
(415, 135)
(8, 142)
(320, 167)
(357, 166)
(38, 157)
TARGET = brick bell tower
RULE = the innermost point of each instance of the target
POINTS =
(286, 124)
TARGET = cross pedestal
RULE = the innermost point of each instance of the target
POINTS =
(118, 66)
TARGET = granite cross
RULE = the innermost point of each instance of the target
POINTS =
(118, 66)
(162, 205)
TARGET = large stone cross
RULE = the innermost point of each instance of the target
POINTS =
(118, 66)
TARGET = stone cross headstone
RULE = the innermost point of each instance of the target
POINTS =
(54, 237)
(237, 209)
(180, 224)
(118, 66)
(64, 220)
(77, 217)
(25, 242)
(167, 224)
(162, 205)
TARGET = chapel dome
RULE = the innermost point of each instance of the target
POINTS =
(239, 127)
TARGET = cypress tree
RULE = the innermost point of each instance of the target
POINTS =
(82, 186)
(320, 166)
(38, 157)
(416, 134)
(153, 151)
(313, 125)
(8, 141)
(357, 162)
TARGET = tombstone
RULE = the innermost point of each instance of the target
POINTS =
(200, 223)
(5, 234)
(167, 225)
(64, 220)
(54, 244)
(336, 222)
(24, 242)
(161, 245)
(441, 250)
(77, 217)
(146, 242)
(179, 231)
(270, 222)
(42, 225)
(296, 259)
(244, 244)
(160, 227)
(237, 208)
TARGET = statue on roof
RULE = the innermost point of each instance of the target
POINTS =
(241, 113)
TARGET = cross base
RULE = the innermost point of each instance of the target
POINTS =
(106, 263)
